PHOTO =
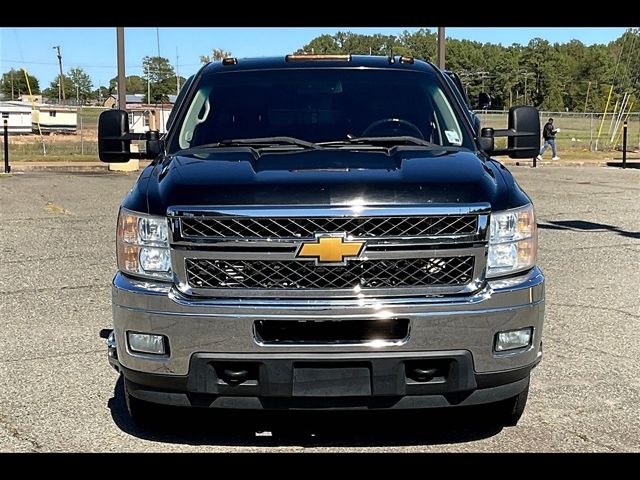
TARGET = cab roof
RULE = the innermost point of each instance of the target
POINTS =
(317, 61)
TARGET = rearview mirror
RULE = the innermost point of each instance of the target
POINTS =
(523, 134)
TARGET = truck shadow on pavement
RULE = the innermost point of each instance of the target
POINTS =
(307, 429)
(584, 226)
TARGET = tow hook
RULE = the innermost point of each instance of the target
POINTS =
(423, 374)
(234, 377)
(112, 347)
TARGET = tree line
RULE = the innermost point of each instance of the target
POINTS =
(567, 76)
(157, 82)
(553, 77)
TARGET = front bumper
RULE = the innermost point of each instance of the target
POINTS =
(202, 335)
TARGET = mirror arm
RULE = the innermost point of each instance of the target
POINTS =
(131, 155)
(508, 151)
(509, 132)
(128, 137)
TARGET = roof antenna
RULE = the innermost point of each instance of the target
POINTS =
(391, 59)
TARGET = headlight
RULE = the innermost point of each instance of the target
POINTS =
(143, 245)
(514, 241)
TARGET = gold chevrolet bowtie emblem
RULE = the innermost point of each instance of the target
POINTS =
(330, 249)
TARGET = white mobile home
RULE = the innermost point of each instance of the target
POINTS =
(18, 116)
(55, 118)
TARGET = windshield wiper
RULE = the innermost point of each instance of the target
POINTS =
(389, 140)
(268, 141)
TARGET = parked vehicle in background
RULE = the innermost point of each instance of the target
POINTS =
(325, 232)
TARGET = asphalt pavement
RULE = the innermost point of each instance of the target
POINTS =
(57, 235)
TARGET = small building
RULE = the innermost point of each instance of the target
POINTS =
(55, 118)
(143, 118)
(18, 116)
(132, 98)
(36, 98)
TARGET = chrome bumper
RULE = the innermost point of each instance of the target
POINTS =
(226, 325)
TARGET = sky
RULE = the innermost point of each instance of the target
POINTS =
(94, 49)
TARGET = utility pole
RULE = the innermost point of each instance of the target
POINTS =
(525, 87)
(177, 74)
(148, 85)
(131, 165)
(122, 81)
(61, 81)
(12, 84)
(441, 47)
(586, 99)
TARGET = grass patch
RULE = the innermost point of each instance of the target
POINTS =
(54, 158)
(53, 208)
(90, 117)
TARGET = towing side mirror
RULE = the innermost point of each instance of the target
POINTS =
(523, 134)
(526, 123)
(114, 146)
(114, 139)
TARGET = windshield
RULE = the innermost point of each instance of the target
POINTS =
(319, 105)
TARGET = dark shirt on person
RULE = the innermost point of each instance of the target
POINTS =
(548, 132)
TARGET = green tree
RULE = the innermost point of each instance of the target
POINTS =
(101, 92)
(544, 71)
(133, 83)
(82, 83)
(161, 76)
(421, 44)
(216, 54)
(353, 43)
(322, 45)
(547, 76)
(14, 84)
(52, 91)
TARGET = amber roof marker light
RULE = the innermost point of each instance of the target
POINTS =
(229, 61)
(313, 57)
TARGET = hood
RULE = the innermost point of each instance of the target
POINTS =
(325, 177)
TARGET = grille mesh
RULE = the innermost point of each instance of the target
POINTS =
(297, 228)
(293, 274)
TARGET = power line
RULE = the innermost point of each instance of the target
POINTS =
(20, 62)
(633, 43)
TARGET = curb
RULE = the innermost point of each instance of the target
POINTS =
(97, 167)
(69, 167)
(61, 168)
(564, 163)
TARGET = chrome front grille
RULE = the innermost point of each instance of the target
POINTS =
(244, 252)
(303, 228)
(363, 274)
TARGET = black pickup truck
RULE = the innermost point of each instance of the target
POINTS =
(325, 232)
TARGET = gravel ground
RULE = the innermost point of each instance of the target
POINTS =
(59, 393)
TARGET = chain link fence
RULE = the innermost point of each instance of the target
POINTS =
(79, 145)
(580, 131)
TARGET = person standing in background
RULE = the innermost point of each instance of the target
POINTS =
(549, 135)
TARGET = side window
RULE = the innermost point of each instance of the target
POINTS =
(179, 98)
(197, 114)
(448, 125)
